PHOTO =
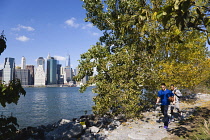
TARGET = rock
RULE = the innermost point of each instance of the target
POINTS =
(105, 132)
(84, 126)
(99, 137)
(74, 119)
(63, 121)
(87, 130)
(94, 129)
(87, 136)
(111, 127)
(120, 117)
(65, 131)
(116, 123)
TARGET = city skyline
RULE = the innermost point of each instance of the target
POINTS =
(35, 28)
(50, 74)
(35, 64)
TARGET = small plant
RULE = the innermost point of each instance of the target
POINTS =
(203, 132)
(206, 128)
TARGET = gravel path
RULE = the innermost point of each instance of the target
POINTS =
(151, 127)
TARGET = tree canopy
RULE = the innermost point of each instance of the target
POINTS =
(9, 93)
(144, 43)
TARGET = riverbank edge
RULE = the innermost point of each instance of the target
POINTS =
(85, 127)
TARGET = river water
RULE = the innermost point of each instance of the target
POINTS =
(42, 106)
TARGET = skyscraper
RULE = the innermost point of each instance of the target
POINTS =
(39, 77)
(23, 63)
(68, 63)
(23, 75)
(51, 70)
(31, 69)
(63, 75)
(41, 61)
(9, 70)
(59, 81)
(68, 69)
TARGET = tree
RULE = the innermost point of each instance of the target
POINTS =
(9, 94)
(144, 43)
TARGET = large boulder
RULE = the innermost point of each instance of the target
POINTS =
(65, 131)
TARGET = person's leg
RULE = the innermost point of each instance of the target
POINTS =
(178, 110)
(177, 106)
(162, 109)
(166, 118)
(172, 109)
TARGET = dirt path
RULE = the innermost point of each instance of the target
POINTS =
(151, 127)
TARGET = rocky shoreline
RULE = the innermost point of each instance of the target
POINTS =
(90, 127)
(85, 128)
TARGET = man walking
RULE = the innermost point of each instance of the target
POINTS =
(177, 95)
(163, 95)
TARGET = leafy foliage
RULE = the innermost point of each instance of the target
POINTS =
(9, 94)
(2, 42)
(8, 126)
(144, 43)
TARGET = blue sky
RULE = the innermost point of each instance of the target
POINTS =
(34, 28)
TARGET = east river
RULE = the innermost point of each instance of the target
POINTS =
(42, 106)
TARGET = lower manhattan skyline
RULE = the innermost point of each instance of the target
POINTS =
(46, 72)
(34, 29)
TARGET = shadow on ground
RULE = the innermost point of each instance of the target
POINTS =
(193, 125)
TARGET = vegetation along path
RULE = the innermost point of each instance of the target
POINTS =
(151, 126)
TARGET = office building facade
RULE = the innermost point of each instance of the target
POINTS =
(41, 61)
(23, 75)
(31, 69)
(9, 70)
(40, 77)
(51, 70)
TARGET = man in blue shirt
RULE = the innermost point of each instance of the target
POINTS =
(163, 95)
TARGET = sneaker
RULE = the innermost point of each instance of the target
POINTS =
(165, 127)
(172, 119)
(169, 121)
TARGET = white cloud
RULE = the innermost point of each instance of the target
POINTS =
(71, 22)
(89, 25)
(27, 28)
(60, 58)
(22, 38)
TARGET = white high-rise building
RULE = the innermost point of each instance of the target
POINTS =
(40, 76)
(63, 74)
(23, 63)
(41, 61)
(9, 70)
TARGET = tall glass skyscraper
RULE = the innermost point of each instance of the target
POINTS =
(68, 62)
(68, 69)
(51, 70)
(31, 69)
(9, 70)
(23, 75)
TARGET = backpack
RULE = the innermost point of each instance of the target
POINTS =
(179, 94)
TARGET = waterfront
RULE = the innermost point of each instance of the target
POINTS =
(42, 106)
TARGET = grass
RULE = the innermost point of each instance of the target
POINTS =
(195, 127)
